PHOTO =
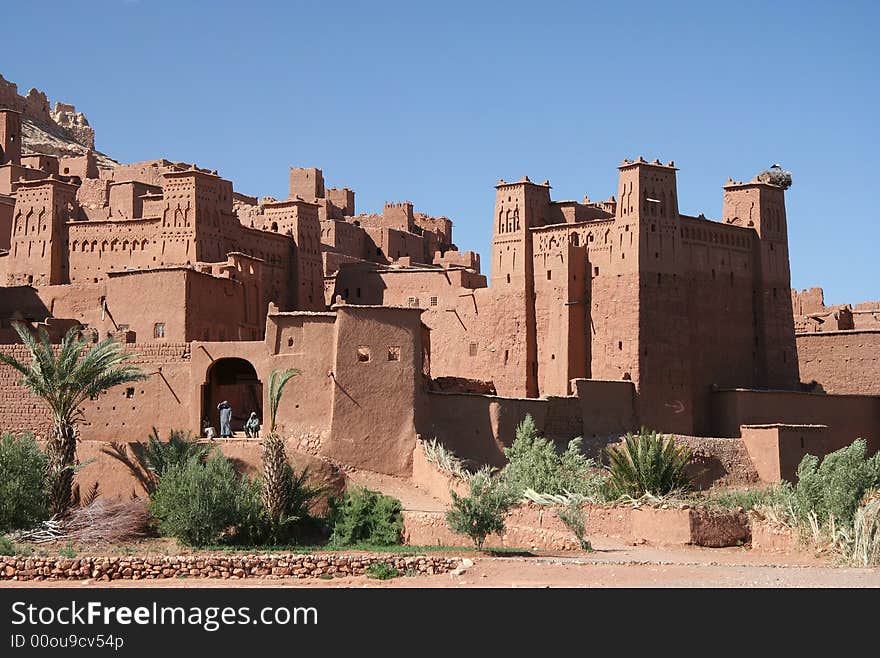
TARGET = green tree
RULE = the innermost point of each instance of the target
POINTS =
(482, 511)
(64, 378)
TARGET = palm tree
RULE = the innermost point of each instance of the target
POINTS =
(277, 474)
(64, 378)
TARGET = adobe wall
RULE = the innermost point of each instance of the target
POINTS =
(7, 208)
(304, 412)
(848, 417)
(125, 412)
(478, 427)
(377, 383)
(841, 361)
(776, 450)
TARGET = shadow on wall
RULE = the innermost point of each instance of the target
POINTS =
(479, 427)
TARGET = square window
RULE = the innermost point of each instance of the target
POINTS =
(412, 301)
(129, 392)
(363, 353)
(159, 330)
(433, 301)
(394, 353)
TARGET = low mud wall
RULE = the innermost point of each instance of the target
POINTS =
(231, 567)
(538, 527)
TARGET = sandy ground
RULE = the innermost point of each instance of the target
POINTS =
(611, 565)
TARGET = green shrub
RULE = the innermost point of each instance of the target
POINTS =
(363, 516)
(296, 516)
(382, 571)
(835, 487)
(202, 503)
(861, 547)
(148, 461)
(648, 463)
(535, 464)
(67, 551)
(482, 512)
(574, 518)
(773, 495)
(24, 496)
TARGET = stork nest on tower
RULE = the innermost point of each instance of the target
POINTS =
(775, 176)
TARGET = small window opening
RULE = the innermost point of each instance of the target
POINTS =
(394, 353)
(363, 354)
(472, 349)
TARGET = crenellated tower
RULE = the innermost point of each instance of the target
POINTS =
(639, 305)
(38, 250)
(519, 207)
(761, 205)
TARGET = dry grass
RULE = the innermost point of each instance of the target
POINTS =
(107, 520)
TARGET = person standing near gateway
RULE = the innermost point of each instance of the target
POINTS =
(225, 419)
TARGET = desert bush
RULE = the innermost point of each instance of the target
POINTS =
(574, 518)
(482, 511)
(24, 495)
(108, 520)
(445, 459)
(535, 464)
(382, 571)
(569, 509)
(363, 516)
(203, 503)
(149, 461)
(773, 495)
(9, 547)
(861, 545)
(831, 490)
(648, 463)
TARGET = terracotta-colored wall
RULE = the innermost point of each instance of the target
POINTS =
(7, 207)
(478, 427)
(777, 450)
(123, 413)
(841, 361)
(848, 417)
(375, 402)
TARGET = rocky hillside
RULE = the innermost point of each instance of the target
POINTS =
(51, 139)
(61, 131)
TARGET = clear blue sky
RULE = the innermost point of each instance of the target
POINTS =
(436, 102)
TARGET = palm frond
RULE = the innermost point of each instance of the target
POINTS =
(277, 381)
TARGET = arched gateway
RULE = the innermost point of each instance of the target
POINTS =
(236, 381)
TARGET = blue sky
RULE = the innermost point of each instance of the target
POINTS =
(434, 103)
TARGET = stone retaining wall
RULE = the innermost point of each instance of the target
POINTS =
(214, 566)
